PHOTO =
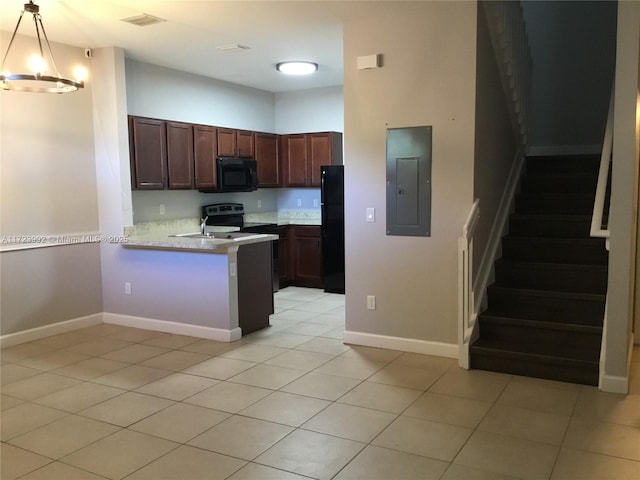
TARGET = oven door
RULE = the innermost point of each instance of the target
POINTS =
(237, 175)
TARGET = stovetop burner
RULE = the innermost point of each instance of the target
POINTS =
(231, 215)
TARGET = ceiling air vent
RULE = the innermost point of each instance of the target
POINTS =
(143, 20)
(233, 47)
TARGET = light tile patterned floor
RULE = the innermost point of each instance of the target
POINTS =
(293, 402)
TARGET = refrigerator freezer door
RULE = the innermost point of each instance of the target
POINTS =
(332, 198)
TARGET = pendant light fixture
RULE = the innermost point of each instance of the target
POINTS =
(37, 80)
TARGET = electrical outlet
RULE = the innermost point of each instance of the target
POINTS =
(233, 269)
(371, 302)
(127, 288)
(259, 204)
(299, 202)
(162, 209)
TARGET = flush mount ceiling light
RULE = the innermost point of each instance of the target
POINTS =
(297, 68)
(38, 80)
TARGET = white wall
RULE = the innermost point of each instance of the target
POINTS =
(47, 186)
(301, 111)
(316, 110)
(624, 185)
(572, 46)
(428, 77)
(159, 92)
(203, 100)
(495, 149)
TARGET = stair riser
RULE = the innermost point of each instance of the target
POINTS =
(529, 204)
(548, 228)
(533, 250)
(561, 279)
(548, 309)
(585, 346)
(554, 165)
(581, 375)
(540, 184)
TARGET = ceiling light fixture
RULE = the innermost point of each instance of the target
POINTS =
(297, 68)
(37, 81)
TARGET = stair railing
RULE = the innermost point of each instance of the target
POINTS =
(597, 227)
(511, 46)
(467, 314)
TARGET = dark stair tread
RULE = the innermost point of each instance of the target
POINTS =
(504, 358)
(556, 196)
(546, 308)
(568, 163)
(555, 249)
(561, 175)
(488, 317)
(551, 265)
(542, 353)
(556, 217)
(593, 297)
(565, 277)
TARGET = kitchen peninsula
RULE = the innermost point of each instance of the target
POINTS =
(215, 288)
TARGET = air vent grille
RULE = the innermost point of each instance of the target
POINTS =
(233, 47)
(143, 20)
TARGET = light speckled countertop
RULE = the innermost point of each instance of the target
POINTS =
(162, 241)
(160, 234)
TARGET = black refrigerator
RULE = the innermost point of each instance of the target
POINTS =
(332, 206)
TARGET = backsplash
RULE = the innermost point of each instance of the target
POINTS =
(190, 225)
(164, 205)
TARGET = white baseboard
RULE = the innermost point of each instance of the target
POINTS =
(550, 150)
(210, 333)
(37, 333)
(614, 384)
(426, 347)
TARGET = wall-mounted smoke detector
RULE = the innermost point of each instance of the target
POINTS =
(233, 47)
(143, 20)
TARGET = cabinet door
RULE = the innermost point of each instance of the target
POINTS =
(295, 160)
(180, 155)
(205, 149)
(226, 142)
(283, 258)
(325, 148)
(148, 153)
(308, 258)
(319, 154)
(245, 144)
(267, 160)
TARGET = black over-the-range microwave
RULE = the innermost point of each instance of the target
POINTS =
(236, 174)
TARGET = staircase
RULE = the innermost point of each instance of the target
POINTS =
(546, 307)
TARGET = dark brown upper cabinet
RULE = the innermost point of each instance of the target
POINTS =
(266, 145)
(148, 151)
(303, 154)
(205, 147)
(180, 155)
(235, 143)
(294, 160)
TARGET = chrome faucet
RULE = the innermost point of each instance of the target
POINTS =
(203, 223)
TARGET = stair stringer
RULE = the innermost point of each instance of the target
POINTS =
(500, 228)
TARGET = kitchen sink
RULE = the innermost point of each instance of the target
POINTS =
(216, 235)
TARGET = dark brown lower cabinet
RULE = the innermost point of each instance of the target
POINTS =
(283, 257)
(255, 287)
(306, 256)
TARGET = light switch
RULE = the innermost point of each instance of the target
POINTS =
(371, 214)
